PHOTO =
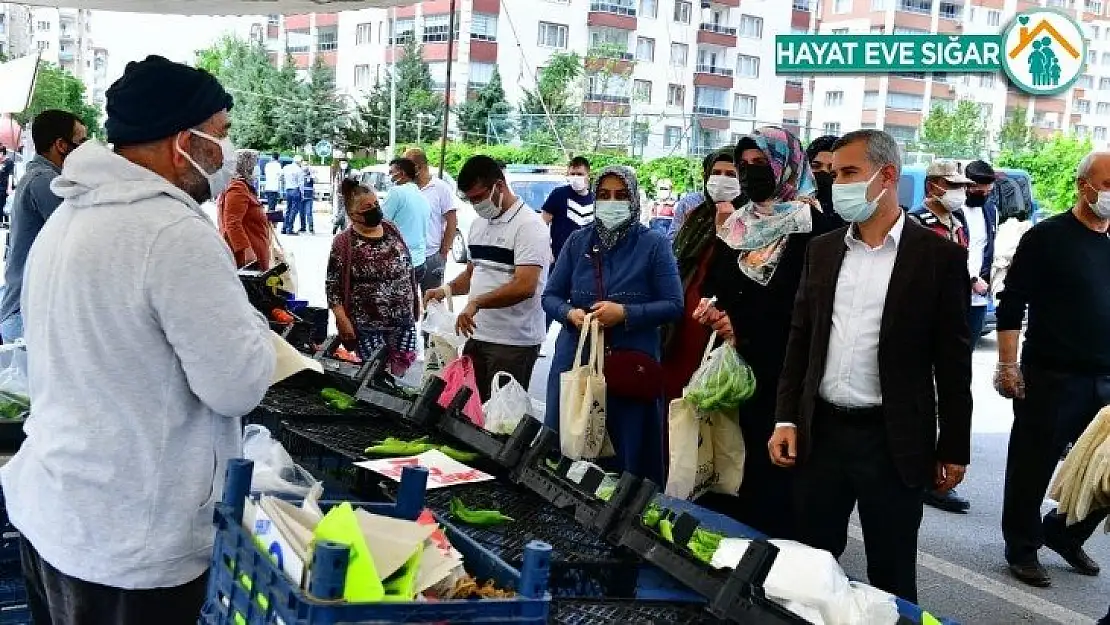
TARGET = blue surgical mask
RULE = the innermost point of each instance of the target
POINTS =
(612, 213)
(851, 203)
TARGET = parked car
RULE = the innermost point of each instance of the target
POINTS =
(376, 177)
(911, 187)
(533, 183)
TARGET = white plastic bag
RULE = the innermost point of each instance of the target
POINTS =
(508, 404)
(443, 342)
(15, 401)
(275, 473)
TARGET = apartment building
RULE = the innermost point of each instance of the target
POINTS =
(15, 30)
(693, 74)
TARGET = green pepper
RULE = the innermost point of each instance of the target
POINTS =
(704, 543)
(651, 515)
(666, 529)
(398, 447)
(458, 454)
(480, 518)
(605, 493)
(338, 400)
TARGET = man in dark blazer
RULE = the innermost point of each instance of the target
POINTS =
(879, 355)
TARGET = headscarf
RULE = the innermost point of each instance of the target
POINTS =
(245, 162)
(611, 236)
(697, 231)
(761, 238)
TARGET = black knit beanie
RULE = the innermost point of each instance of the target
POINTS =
(156, 98)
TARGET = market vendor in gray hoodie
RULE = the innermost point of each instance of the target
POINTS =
(143, 353)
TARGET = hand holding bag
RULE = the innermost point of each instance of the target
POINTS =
(582, 405)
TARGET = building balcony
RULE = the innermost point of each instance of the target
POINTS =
(717, 35)
(607, 98)
(710, 111)
(611, 52)
(607, 105)
(713, 76)
(612, 14)
(793, 93)
(65, 55)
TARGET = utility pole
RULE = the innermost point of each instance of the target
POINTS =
(452, 45)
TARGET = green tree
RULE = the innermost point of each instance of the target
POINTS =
(956, 132)
(1051, 166)
(1016, 133)
(474, 116)
(368, 128)
(554, 96)
(324, 112)
(291, 115)
(244, 69)
(419, 108)
(56, 88)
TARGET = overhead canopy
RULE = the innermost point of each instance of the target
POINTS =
(223, 7)
(18, 78)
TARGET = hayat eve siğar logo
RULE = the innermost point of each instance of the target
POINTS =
(1045, 51)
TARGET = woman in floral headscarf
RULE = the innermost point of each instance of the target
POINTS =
(760, 250)
(624, 274)
(242, 220)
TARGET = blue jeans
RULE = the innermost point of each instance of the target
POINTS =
(12, 328)
(306, 214)
(976, 317)
(272, 198)
(292, 209)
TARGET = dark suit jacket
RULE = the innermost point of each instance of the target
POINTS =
(924, 350)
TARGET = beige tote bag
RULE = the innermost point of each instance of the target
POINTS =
(582, 433)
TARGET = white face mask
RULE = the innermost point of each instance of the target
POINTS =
(612, 213)
(723, 188)
(953, 199)
(488, 208)
(850, 200)
(219, 179)
(1101, 205)
(578, 182)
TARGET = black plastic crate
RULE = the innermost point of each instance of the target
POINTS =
(583, 564)
(628, 612)
(298, 399)
(328, 449)
(11, 435)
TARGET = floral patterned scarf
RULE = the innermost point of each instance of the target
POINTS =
(761, 237)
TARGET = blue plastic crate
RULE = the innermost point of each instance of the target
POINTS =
(236, 557)
(12, 589)
(15, 615)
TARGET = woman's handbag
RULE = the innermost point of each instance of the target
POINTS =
(629, 373)
(279, 255)
(582, 433)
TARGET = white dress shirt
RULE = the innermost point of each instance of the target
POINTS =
(976, 247)
(851, 377)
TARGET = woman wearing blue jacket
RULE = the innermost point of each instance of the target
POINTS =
(626, 276)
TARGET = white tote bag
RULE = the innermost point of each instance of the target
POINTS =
(582, 433)
(687, 454)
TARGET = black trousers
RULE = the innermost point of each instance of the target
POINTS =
(850, 464)
(1056, 409)
(55, 598)
(489, 358)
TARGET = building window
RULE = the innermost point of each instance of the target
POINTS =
(950, 10)
(436, 26)
(273, 20)
(362, 34)
(902, 30)
(364, 78)
(839, 31)
(751, 26)
(1092, 57)
(834, 98)
(676, 95)
(483, 27)
(1093, 6)
(905, 101)
(682, 10)
(679, 52)
(671, 136)
(403, 30)
(743, 105)
(1102, 108)
(1104, 84)
(44, 45)
(298, 41)
(831, 128)
(842, 6)
(1082, 106)
(641, 91)
(645, 49)
(1086, 81)
(43, 26)
(553, 35)
(986, 81)
(902, 134)
(480, 73)
(649, 8)
(1106, 58)
(870, 100)
(1100, 133)
(1081, 131)
(747, 66)
(327, 39)
(924, 7)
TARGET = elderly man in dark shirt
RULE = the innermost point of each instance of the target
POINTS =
(1063, 377)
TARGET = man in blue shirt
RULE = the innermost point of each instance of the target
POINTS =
(570, 206)
(408, 209)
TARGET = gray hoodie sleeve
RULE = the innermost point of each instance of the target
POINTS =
(223, 343)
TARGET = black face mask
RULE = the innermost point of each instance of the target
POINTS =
(976, 200)
(373, 217)
(758, 182)
(824, 181)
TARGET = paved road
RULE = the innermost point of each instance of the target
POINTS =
(962, 571)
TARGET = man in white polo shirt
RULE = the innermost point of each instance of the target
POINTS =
(509, 255)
